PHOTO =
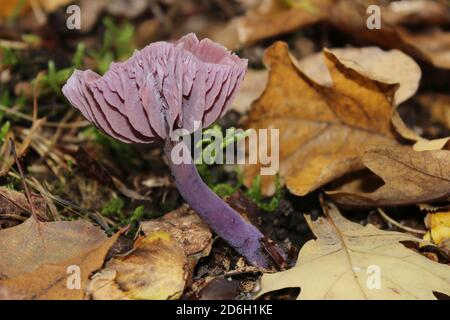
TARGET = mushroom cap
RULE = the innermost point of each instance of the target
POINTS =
(163, 87)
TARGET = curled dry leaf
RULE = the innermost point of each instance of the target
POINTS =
(34, 257)
(420, 144)
(155, 270)
(323, 130)
(431, 46)
(186, 228)
(415, 12)
(346, 261)
(251, 88)
(391, 66)
(15, 203)
(161, 264)
(281, 17)
(438, 106)
(409, 176)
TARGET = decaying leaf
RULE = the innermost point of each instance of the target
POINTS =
(323, 130)
(349, 261)
(8, 7)
(438, 106)
(251, 88)
(161, 263)
(409, 177)
(52, 5)
(432, 46)
(13, 202)
(281, 17)
(187, 229)
(391, 66)
(155, 270)
(37, 259)
(420, 144)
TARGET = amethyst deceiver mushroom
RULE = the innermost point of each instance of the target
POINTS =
(168, 86)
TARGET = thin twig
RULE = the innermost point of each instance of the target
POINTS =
(22, 176)
(398, 224)
(21, 115)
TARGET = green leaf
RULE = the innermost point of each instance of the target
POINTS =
(4, 130)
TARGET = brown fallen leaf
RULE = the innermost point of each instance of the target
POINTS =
(155, 270)
(15, 203)
(349, 261)
(420, 144)
(410, 177)
(186, 227)
(161, 264)
(281, 17)
(438, 106)
(35, 259)
(415, 12)
(323, 130)
(391, 67)
(52, 5)
(7, 7)
(431, 46)
(129, 9)
(251, 88)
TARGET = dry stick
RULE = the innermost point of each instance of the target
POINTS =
(21, 115)
(398, 224)
(25, 186)
(27, 193)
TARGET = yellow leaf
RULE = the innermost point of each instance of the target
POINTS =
(323, 130)
(155, 270)
(439, 227)
(347, 260)
(35, 258)
(409, 177)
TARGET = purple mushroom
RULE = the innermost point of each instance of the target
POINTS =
(161, 88)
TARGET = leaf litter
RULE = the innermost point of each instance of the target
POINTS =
(364, 122)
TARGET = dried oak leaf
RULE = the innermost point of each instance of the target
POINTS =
(161, 264)
(431, 45)
(323, 130)
(420, 143)
(437, 105)
(155, 270)
(409, 176)
(346, 258)
(391, 66)
(15, 203)
(34, 257)
(186, 228)
(281, 18)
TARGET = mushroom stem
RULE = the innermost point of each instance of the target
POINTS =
(244, 237)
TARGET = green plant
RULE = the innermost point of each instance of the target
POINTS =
(54, 78)
(9, 57)
(4, 130)
(120, 151)
(254, 193)
(117, 44)
(114, 207)
(226, 189)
